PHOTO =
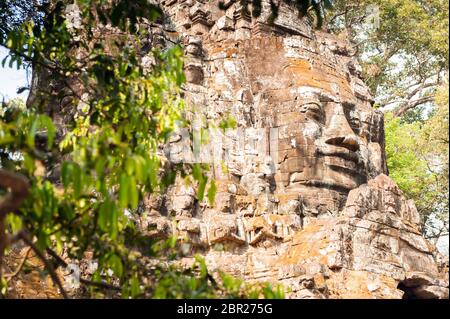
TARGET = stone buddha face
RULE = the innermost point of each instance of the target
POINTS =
(323, 136)
(331, 146)
(329, 136)
(329, 139)
(299, 93)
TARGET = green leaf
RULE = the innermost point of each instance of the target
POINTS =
(114, 221)
(135, 289)
(4, 61)
(77, 180)
(123, 190)
(115, 263)
(152, 167)
(50, 128)
(49, 208)
(129, 165)
(319, 15)
(43, 240)
(212, 192)
(29, 163)
(15, 222)
(139, 168)
(11, 61)
(100, 167)
(32, 132)
(197, 172)
(66, 173)
(133, 195)
(202, 265)
(9, 43)
(103, 212)
(201, 189)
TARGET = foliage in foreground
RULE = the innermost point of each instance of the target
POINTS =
(83, 153)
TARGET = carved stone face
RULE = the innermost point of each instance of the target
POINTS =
(328, 133)
(301, 93)
(325, 138)
(331, 147)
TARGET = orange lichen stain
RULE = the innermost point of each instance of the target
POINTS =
(245, 200)
(353, 284)
(32, 282)
(306, 246)
(319, 280)
(304, 74)
(274, 218)
(298, 66)
(223, 185)
(257, 222)
(215, 50)
(286, 197)
(230, 51)
(229, 47)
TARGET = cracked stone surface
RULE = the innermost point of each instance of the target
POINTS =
(303, 193)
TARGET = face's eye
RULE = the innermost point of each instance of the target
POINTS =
(314, 111)
(354, 121)
(355, 124)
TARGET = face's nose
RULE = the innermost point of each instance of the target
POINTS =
(348, 141)
(338, 131)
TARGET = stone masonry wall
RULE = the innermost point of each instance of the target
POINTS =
(303, 196)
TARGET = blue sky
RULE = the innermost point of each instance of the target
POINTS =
(11, 79)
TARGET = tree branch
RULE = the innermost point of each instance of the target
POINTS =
(17, 189)
(20, 266)
(103, 285)
(403, 109)
(18, 185)
(62, 262)
(48, 265)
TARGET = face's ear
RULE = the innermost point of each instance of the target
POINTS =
(376, 159)
(377, 127)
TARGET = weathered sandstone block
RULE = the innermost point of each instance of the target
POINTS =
(304, 199)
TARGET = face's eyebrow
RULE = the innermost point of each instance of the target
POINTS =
(310, 101)
(349, 105)
(315, 95)
(325, 96)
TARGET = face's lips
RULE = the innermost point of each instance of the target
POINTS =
(351, 174)
(341, 160)
(340, 152)
(354, 173)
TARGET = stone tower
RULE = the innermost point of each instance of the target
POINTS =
(303, 193)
